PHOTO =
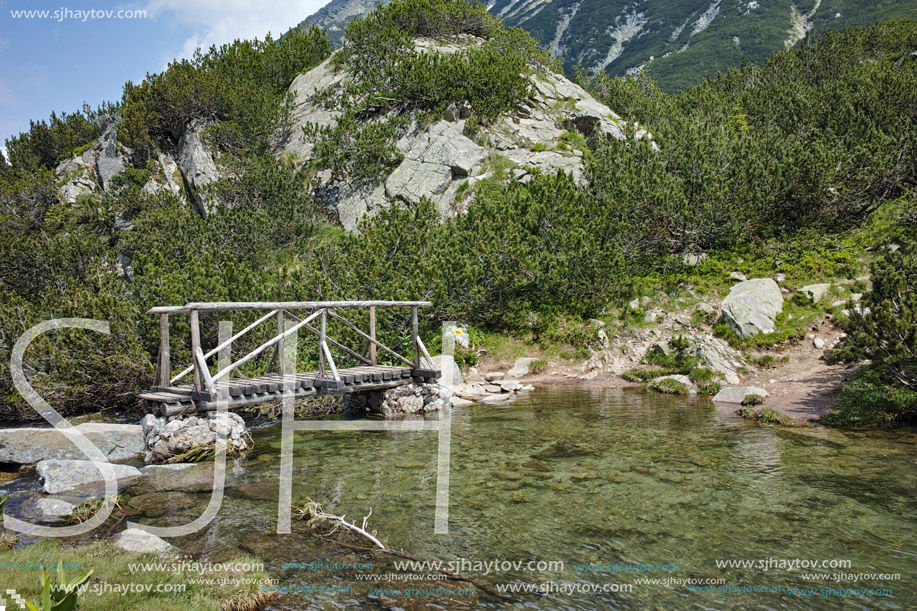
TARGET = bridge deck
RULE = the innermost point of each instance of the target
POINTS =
(243, 392)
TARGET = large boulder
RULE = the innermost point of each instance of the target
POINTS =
(752, 307)
(198, 168)
(717, 355)
(62, 475)
(522, 367)
(118, 442)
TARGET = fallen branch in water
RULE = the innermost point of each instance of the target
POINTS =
(315, 517)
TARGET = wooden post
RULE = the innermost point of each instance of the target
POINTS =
(165, 374)
(281, 352)
(195, 346)
(414, 336)
(372, 334)
(321, 342)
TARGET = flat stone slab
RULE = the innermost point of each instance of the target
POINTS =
(459, 402)
(63, 475)
(737, 394)
(118, 442)
(142, 542)
(492, 399)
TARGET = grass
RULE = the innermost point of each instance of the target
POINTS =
(769, 416)
(669, 386)
(110, 565)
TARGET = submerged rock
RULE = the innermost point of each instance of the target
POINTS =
(63, 475)
(118, 442)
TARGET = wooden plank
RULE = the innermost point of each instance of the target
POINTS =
(195, 346)
(165, 372)
(415, 337)
(372, 335)
(327, 351)
(229, 306)
(321, 342)
(281, 345)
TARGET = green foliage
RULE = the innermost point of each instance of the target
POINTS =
(866, 399)
(752, 399)
(48, 143)
(884, 330)
(354, 148)
(242, 85)
(824, 138)
(767, 415)
(538, 366)
(669, 386)
(63, 597)
(707, 381)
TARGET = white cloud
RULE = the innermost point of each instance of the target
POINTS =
(218, 22)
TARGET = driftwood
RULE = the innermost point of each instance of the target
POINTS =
(315, 517)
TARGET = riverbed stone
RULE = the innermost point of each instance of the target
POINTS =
(737, 394)
(459, 402)
(63, 475)
(751, 307)
(493, 399)
(141, 542)
(155, 504)
(510, 386)
(494, 375)
(118, 442)
(49, 509)
(187, 477)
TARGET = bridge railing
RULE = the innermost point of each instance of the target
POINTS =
(321, 311)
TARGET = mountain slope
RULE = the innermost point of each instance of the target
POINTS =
(677, 43)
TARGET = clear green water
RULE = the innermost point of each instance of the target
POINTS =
(591, 476)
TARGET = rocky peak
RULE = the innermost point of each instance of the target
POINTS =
(546, 134)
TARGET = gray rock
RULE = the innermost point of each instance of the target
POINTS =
(165, 438)
(814, 292)
(752, 307)
(737, 394)
(141, 542)
(62, 475)
(410, 399)
(738, 276)
(185, 477)
(717, 355)
(493, 388)
(601, 335)
(634, 303)
(521, 367)
(459, 402)
(51, 510)
(109, 162)
(118, 442)
(653, 315)
(198, 168)
(818, 343)
(78, 176)
(705, 308)
(780, 277)
(444, 363)
(693, 258)
(494, 375)
(511, 386)
(492, 399)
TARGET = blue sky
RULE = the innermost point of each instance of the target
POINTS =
(59, 63)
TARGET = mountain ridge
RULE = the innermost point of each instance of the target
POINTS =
(677, 44)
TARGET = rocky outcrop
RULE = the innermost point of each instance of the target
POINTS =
(442, 157)
(78, 177)
(165, 438)
(109, 160)
(198, 168)
(118, 442)
(752, 307)
(814, 292)
(63, 475)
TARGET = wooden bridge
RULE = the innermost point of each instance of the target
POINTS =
(207, 388)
